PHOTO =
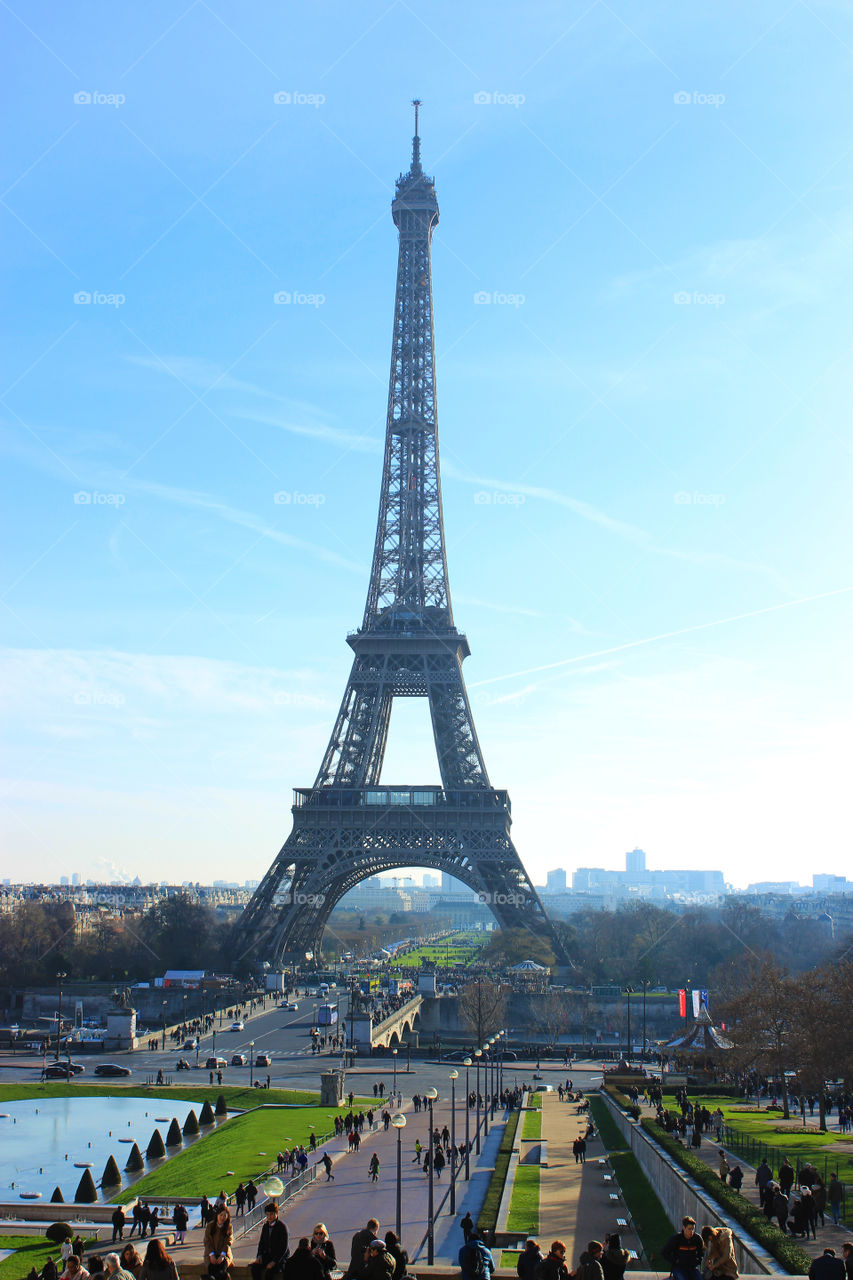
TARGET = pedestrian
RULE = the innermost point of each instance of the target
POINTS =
(323, 1249)
(158, 1265)
(418, 1150)
(528, 1260)
(834, 1196)
(272, 1245)
(684, 1250)
(118, 1221)
(475, 1260)
(240, 1199)
(251, 1195)
(847, 1257)
(763, 1175)
(136, 1219)
(327, 1165)
(153, 1220)
(373, 1168)
(181, 1220)
(827, 1267)
(553, 1267)
(722, 1164)
(439, 1161)
(780, 1208)
(218, 1236)
(736, 1177)
(719, 1262)
(467, 1225)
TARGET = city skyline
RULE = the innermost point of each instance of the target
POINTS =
(642, 351)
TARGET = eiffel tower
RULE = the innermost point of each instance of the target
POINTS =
(347, 827)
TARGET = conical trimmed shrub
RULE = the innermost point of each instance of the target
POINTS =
(207, 1116)
(87, 1192)
(155, 1149)
(111, 1176)
(173, 1137)
(135, 1163)
(221, 1105)
(191, 1124)
(57, 1197)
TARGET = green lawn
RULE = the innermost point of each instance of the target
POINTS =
(237, 1097)
(532, 1124)
(509, 1258)
(524, 1202)
(760, 1130)
(31, 1251)
(534, 1102)
(460, 949)
(488, 1215)
(649, 1217)
(246, 1144)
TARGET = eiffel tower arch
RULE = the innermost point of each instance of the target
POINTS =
(347, 826)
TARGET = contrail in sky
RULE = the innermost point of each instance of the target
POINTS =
(665, 635)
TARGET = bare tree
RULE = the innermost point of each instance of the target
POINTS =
(482, 1008)
(763, 1013)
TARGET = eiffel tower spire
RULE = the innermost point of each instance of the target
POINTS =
(347, 826)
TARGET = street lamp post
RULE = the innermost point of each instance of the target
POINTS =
(164, 1025)
(487, 1071)
(628, 991)
(394, 1056)
(251, 1064)
(454, 1076)
(431, 1094)
(478, 1053)
(59, 978)
(645, 989)
(399, 1123)
(467, 1064)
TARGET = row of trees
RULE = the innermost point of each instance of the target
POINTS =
(38, 940)
(796, 1029)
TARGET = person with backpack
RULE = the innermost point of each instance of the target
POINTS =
(475, 1260)
(683, 1251)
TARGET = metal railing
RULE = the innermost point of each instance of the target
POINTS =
(291, 1187)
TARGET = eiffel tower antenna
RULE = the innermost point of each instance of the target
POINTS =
(348, 826)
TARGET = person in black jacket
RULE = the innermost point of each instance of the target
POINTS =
(684, 1250)
(398, 1253)
(528, 1260)
(272, 1245)
(302, 1265)
(827, 1267)
(358, 1249)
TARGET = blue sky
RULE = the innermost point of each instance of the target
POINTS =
(644, 428)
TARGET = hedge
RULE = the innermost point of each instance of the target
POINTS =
(791, 1256)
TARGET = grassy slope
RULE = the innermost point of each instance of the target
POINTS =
(488, 1215)
(236, 1096)
(246, 1144)
(532, 1124)
(31, 1251)
(524, 1202)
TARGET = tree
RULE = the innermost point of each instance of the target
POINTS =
(763, 1013)
(818, 1012)
(510, 946)
(551, 1014)
(482, 1008)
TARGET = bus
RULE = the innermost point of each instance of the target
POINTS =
(327, 1015)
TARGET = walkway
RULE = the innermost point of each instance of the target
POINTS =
(574, 1199)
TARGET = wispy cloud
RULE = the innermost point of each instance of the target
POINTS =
(316, 431)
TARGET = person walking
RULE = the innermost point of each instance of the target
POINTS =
(118, 1221)
(181, 1220)
(418, 1150)
(251, 1195)
(240, 1199)
(326, 1162)
(373, 1168)
(834, 1197)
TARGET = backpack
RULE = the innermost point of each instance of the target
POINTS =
(476, 1262)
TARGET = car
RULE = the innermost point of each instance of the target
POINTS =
(112, 1069)
(292, 1006)
(215, 1064)
(263, 1060)
(239, 1060)
(508, 1055)
(543, 1088)
(58, 1071)
(458, 1055)
(182, 1065)
(236, 1026)
(190, 1045)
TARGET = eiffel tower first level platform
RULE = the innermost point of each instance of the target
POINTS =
(348, 826)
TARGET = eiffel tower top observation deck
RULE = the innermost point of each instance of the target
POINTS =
(348, 826)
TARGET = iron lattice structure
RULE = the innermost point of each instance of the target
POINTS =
(347, 827)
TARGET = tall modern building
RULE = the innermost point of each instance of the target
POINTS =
(635, 862)
(556, 881)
